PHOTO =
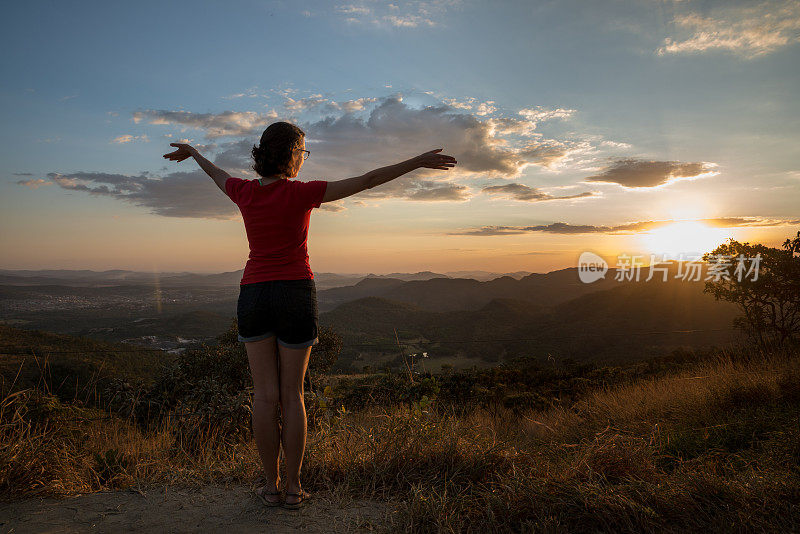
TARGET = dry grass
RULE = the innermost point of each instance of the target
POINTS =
(713, 448)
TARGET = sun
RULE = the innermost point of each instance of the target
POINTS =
(684, 238)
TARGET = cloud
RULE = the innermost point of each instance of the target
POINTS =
(455, 104)
(408, 20)
(529, 194)
(626, 228)
(34, 183)
(558, 228)
(546, 153)
(180, 194)
(407, 14)
(727, 222)
(333, 207)
(471, 103)
(387, 128)
(486, 108)
(251, 92)
(129, 138)
(204, 148)
(393, 130)
(353, 10)
(356, 105)
(426, 190)
(614, 144)
(227, 123)
(23, 174)
(636, 173)
(304, 104)
(347, 145)
(540, 114)
(319, 102)
(348, 138)
(750, 30)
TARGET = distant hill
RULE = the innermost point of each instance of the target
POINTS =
(79, 278)
(69, 365)
(452, 294)
(633, 320)
(484, 276)
(624, 323)
(117, 277)
(546, 315)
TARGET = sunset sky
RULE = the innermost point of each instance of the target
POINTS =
(615, 127)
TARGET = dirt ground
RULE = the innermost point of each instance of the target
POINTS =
(231, 509)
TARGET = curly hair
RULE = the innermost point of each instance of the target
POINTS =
(274, 155)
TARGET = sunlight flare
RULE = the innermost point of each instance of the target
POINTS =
(687, 238)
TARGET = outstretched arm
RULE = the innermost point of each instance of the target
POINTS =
(185, 151)
(351, 186)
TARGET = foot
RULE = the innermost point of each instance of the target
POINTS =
(269, 497)
(295, 497)
(269, 493)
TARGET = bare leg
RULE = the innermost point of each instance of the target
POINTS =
(263, 358)
(293, 363)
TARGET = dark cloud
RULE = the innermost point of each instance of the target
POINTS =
(632, 172)
(627, 228)
(528, 194)
(748, 221)
(553, 228)
(236, 156)
(180, 194)
(23, 174)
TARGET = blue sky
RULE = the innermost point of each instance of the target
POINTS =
(577, 126)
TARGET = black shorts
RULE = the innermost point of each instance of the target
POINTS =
(283, 308)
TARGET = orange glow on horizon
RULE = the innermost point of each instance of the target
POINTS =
(684, 237)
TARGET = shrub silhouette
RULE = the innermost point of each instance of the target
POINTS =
(207, 392)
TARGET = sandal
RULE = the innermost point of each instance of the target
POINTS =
(263, 496)
(299, 504)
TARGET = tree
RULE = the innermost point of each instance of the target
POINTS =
(768, 295)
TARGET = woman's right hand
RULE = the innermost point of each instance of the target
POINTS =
(434, 160)
(184, 151)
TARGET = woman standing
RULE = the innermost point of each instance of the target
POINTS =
(277, 309)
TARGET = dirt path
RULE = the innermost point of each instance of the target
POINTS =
(206, 509)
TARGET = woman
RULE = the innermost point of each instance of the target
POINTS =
(277, 309)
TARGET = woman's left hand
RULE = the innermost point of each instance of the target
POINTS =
(184, 151)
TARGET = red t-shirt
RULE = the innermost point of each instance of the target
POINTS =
(276, 219)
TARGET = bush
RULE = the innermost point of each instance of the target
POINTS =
(205, 393)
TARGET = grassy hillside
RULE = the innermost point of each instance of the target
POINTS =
(710, 446)
(69, 366)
